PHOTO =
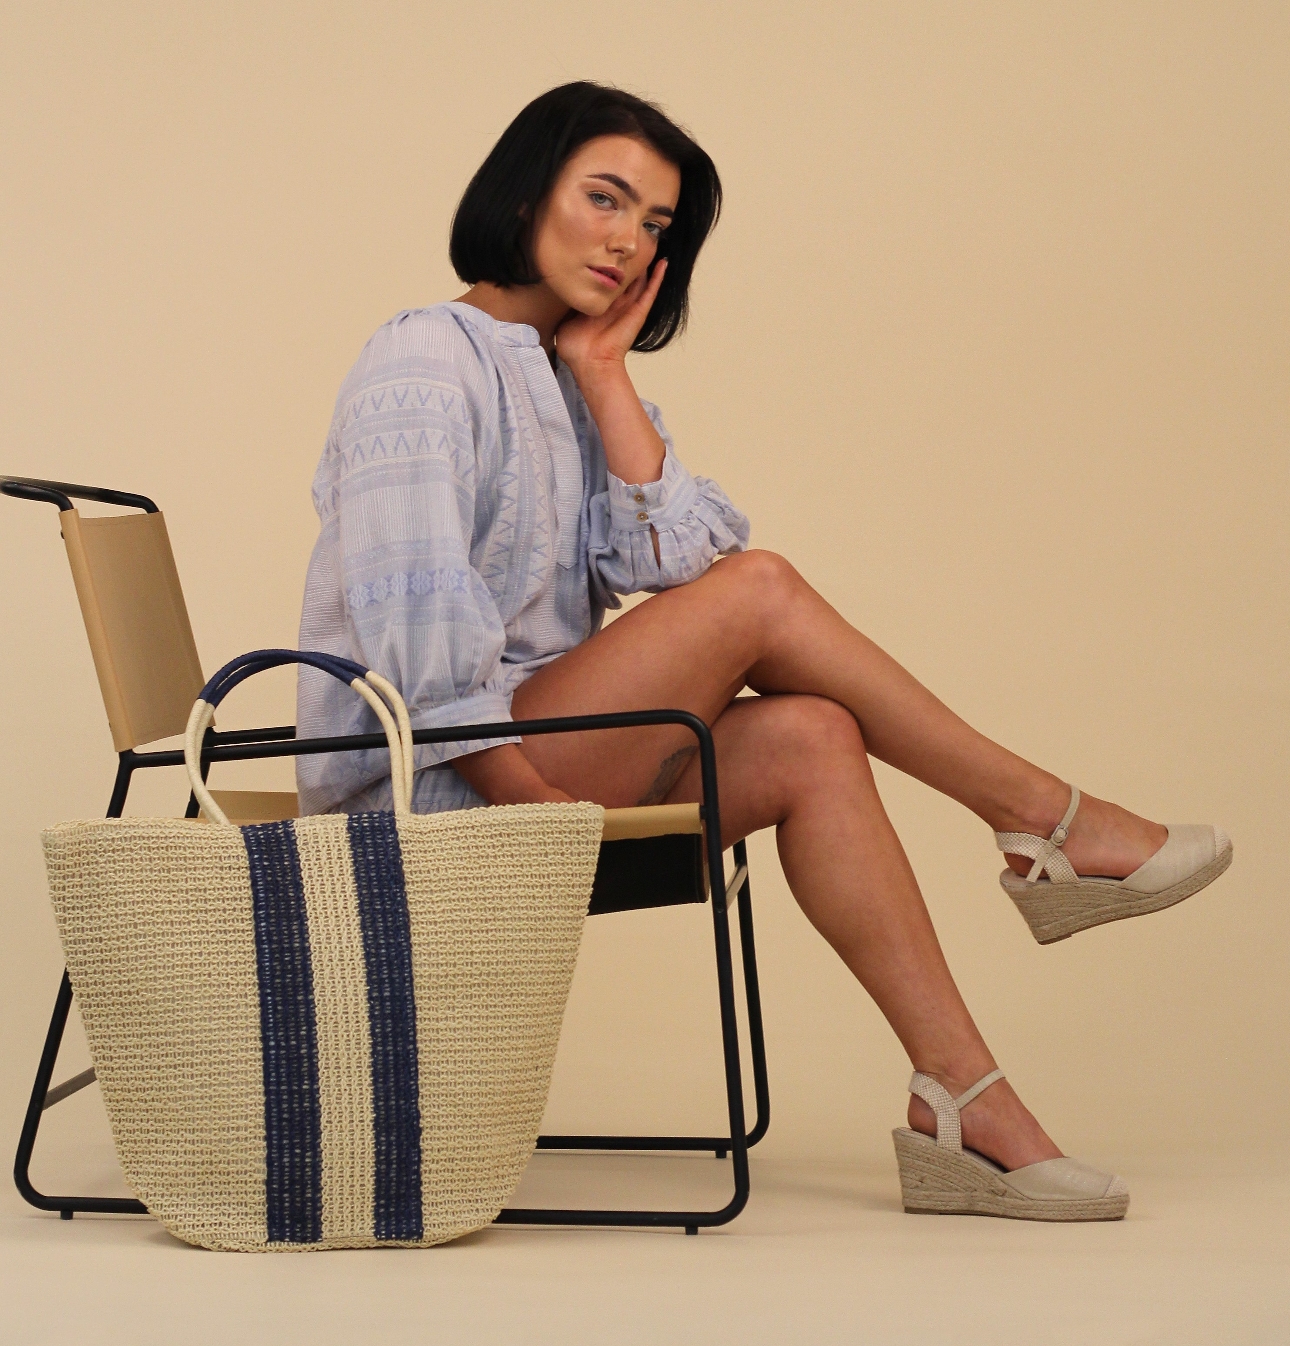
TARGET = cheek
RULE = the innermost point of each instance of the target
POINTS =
(568, 231)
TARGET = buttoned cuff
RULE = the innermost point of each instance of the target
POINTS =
(661, 504)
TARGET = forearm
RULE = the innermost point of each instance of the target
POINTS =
(634, 450)
(503, 775)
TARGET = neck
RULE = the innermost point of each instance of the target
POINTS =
(536, 305)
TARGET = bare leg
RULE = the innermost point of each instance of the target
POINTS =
(753, 621)
(798, 763)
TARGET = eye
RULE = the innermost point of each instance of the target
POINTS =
(655, 228)
(602, 199)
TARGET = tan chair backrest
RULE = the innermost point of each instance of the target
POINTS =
(256, 806)
(137, 623)
(146, 658)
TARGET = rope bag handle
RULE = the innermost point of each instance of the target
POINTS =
(368, 684)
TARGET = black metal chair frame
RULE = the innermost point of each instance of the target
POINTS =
(280, 741)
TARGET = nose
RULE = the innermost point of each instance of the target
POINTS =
(624, 244)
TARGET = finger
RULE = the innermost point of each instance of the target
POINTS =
(630, 308)
(622, 310)
(641, 292)
(625, 299)
(650, 291)
(621, 302)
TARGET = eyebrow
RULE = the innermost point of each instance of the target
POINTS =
(632, 193)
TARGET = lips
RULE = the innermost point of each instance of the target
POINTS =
(609, 275)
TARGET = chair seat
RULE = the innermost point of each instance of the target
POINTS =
(644, 872)
(257, 806)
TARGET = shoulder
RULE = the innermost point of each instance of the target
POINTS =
(422, 346)
(419, 377)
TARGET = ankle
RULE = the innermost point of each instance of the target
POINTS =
(960, 1077)
(996, 1124)
(1036, 808)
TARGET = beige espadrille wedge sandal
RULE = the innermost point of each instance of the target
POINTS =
(940, 1177)
(1057, 906)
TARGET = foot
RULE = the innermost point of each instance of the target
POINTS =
(1104, 839)
(996, 1123)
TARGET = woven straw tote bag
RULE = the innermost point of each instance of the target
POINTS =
(333, 1032)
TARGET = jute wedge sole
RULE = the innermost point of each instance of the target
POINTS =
(1056, 911)
(935, 1181)
(1057, 906)
(939, 1177)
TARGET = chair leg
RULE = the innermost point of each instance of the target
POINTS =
(43, 1097)
(738, 1140)
(66, 1206)
(752, 994)
(719, 1145)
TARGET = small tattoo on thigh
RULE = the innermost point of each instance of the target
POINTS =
(668, 774)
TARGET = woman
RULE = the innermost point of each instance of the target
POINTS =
(491, 481)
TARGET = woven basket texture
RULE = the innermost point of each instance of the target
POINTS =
(158, 926)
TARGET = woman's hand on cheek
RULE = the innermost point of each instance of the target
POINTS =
(589, 344)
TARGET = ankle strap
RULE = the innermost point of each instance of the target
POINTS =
(949, 1132)
(1046, 854)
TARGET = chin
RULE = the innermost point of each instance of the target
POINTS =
(585, 297)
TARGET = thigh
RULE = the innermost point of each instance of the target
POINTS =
(681, 650)
(777, 754)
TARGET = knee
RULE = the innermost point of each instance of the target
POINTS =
(817, 733)
(764, 578)
(806, 751)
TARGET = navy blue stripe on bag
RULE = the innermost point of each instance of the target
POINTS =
(387, 950)
(289, 1036)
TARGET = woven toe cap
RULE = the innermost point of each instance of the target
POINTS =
(1064, 1179)
(1190, 847)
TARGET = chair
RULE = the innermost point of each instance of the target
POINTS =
(149, 673)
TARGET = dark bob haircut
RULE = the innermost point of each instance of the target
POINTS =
(491, 229)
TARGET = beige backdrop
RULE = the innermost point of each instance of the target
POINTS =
(991, 342)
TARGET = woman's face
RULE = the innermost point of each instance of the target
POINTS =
(599, 227)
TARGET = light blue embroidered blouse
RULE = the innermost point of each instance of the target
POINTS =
(471, 532)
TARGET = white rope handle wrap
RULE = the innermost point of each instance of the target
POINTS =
(397, 734)
(399, 778)
(393, 696)
(199, 721)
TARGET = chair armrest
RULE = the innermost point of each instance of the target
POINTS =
(567, 724)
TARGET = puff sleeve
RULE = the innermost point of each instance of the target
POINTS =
(392, 571)
(693, 516)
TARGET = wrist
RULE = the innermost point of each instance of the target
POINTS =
(503, 775)
(599, 376)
